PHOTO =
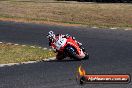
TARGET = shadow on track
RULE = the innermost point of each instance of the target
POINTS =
(66, 60)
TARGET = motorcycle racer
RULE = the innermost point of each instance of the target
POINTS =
(53, 38)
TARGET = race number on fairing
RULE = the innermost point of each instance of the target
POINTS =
(60, 43)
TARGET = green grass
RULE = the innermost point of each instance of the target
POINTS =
(15, 54)
(94, 14)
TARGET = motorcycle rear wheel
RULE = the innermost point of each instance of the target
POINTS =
(86, 56)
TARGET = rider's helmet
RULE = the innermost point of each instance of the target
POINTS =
(51, 35)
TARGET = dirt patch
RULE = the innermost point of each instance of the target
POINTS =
(101, 15)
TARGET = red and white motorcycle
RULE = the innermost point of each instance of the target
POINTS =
(68, 47)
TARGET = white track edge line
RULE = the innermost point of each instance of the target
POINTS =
(28, 62)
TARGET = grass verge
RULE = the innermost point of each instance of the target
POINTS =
(80, 13)
(10, 53)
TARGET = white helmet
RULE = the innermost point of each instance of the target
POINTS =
(51, 35)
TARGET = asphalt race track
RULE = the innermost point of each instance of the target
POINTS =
(110, 52)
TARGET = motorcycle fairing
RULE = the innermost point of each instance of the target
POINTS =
(60, 42)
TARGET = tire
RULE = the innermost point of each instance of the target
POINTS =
(86, 56)
(72, 52)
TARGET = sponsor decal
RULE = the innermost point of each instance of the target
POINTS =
(83, 78)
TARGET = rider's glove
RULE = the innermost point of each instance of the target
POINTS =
(67, 35)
